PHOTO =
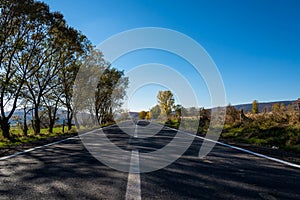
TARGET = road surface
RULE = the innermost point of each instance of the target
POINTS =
(66, 170)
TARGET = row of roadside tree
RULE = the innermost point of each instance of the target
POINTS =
(40, 56)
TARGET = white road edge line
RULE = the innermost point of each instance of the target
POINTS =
(241, 149)
(46, 145)
(133, 190)
(35, 148)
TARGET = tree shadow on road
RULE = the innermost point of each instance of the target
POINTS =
(223, 174)
(62, 171)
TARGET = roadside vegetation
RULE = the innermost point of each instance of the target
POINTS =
(276, 127)
(17, 137)
(40, 57)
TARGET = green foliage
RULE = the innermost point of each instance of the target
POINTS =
(166, 101)
(173, 123)
(110, 92)
(282, 137)
(40, 56)
(24, 27)
(178, 111)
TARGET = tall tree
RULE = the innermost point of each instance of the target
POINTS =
(109, 94)
(49, 59)
(93, 65)
(58, 67)
(77, 47)
(155, 112)
(39, 59)
(204, 120)
(51, 104)
(254, 107)
(166, 101)
(21, 31)
(26, 109)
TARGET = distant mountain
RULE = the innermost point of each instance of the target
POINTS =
(19, 113)
(264, 106)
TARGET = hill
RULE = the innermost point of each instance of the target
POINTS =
(264, 106)
(19, 114)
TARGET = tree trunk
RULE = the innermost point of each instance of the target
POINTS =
(51, 125)
(5, 127)
(25, 128)
(52, 117)
(37, 122)
(76, 123)
(51, 120)
(69, 119)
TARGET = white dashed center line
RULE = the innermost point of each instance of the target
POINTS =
(133, 191)
(135, 131)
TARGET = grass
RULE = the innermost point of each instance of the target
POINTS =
(284, 137)
(19, 138)
(173, 123)
(186, 124)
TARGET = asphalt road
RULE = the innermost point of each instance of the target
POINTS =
(67, 170)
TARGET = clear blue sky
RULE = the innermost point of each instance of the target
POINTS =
(254, 43)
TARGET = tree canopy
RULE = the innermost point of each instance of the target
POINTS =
(166, 101)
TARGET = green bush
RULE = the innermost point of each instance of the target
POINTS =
(283, 136)
(173, 123)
